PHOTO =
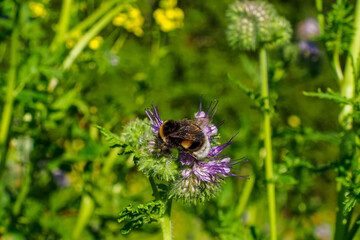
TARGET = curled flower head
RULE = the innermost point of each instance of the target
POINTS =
(197, 179)
(254, 24)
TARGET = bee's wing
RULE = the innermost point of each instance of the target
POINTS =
(186, 132)
(201, 122)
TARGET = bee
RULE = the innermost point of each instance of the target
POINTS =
(187, 134)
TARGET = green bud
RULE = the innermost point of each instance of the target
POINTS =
(254, 24)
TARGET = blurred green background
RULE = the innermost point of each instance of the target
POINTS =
(82, 63)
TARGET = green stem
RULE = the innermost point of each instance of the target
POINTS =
(9, 98)
(267, 133)
(87, 207)
(119, 43)
(90, 35)
(347, 89)
(110, 161)
(165, 222)
(154, 188)
(320, 16)
(245, 196)
(89, 21)
(336, 54)
(25, 187)
(63, 24)
(354, 229)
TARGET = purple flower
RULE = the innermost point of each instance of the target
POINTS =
(308, 49)
(60, 177)
(155, 119)
(308, 29)
(199, 179)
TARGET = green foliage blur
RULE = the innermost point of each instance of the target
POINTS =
(68, 66)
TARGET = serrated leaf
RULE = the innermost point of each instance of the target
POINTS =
(135, 216)
(329, 95)
(113, 139)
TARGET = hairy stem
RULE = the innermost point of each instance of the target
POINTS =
(10, 96)
(336, 58)
(267, 133)
(320, 16)
(154, 188)
(347, 89)
(166, 222)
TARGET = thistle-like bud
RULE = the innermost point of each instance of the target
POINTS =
(139, 139)
(254, 24)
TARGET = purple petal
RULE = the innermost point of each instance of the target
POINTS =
(186, 159)
(153, 115)
(217, 149)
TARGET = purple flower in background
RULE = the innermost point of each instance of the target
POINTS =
(308, 29)
(60, 177)
(308, 49)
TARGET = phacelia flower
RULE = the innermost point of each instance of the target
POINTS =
(197, 179)
(256, 24)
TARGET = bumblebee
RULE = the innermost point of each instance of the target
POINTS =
(186, 134)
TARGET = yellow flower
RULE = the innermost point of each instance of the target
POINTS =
(170, 13)
(95, 43)
(138, 32)
(179, 13)
(294, 121)
(131, 19)
(37, 9)
(168, 3)
(134, 13)
(119, 20)
(167, 26)
(169, 19)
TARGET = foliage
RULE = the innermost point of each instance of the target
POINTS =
(68, 67)
(137, 215)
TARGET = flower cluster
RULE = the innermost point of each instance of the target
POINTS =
(196, 180)
(168, 16)
(131, 19)
(37, 9)
(254, 24)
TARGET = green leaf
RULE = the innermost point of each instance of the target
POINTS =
(329, 95)
(113, 139)
(135, 216)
